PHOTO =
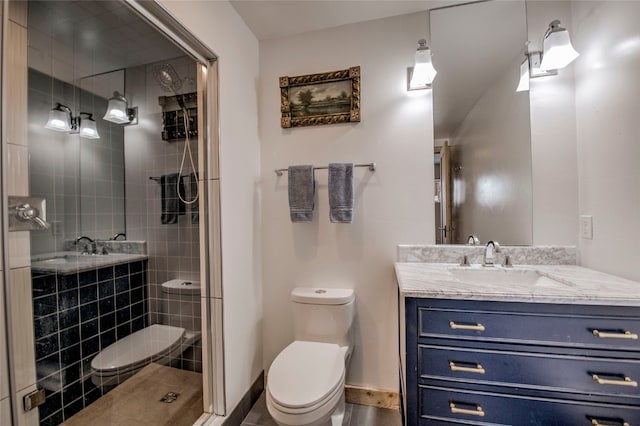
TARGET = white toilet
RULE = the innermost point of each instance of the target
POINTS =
(155, 343)
(306, 380)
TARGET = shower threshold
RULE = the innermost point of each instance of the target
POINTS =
(137, 402)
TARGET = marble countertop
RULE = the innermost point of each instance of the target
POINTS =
(68, 262)
(555, 284)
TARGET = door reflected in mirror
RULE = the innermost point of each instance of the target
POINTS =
(481, 124)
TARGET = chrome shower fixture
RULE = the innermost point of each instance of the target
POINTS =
(167, 77)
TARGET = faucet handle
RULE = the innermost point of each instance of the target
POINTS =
(465, 260)
(473, 240)
(507, 261)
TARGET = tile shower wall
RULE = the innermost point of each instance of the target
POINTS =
(76, 316)
(173, 249)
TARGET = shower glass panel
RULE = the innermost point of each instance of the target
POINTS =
(115, 280)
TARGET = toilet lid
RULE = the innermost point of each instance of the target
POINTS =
(305, 373)
(138, 347)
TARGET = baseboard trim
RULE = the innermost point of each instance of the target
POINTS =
(381, 398)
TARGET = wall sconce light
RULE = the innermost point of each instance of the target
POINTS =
(421, 75)
(88, 126)
(61, 119)
(557, 49)
(118, 111)
(557, 54)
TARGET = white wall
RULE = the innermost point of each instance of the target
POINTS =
(218, 25)
(493, 146)
(393, 205)
(607, 88)
(553, 137)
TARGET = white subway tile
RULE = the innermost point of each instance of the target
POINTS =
(22, 323)
(20, 249)
(18, 170)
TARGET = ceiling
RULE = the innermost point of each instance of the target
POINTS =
(269, 19)
(75, 39)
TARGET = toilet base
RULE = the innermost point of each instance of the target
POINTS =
(331, 418)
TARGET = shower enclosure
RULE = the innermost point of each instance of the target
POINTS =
(109, 122)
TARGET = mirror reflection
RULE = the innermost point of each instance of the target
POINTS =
(481, 124)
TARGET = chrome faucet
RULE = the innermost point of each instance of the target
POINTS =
(90, 247)
(473, 240)
(119, 234)
(490, 249)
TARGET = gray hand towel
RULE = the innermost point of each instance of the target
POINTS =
(171, 206)
(341, 194)
(302, 187)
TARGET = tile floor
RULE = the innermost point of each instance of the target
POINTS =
(355, 415)
(136, 402)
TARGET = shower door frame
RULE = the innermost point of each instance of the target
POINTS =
(208, 186)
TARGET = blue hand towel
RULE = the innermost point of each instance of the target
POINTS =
(302, 189)
(341, 194)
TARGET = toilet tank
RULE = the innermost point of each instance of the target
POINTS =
(323, 315)
(180, 304)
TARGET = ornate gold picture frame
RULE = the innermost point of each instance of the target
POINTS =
(326, 98)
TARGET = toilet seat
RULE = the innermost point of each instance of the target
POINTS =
(137, 349)
(305, 375)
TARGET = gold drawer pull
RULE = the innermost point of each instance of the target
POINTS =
(620, 382)
(625, 335)
(477, 412)
(477, 369)
(476, 327)
(596, 422)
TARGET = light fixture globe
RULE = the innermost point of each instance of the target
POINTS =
(88, 128)
(117, 110)
(59, 120)
(557, 50)
(423, 71)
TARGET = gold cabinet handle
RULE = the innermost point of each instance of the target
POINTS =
(455, 410)
(625, 335)
(477, 369)
(475, 327)
(596, 422)
(619, 382)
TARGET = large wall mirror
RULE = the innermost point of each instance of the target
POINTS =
(481, 124)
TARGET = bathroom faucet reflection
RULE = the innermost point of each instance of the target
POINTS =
(490, 249)
(473, 240)
(88, 248)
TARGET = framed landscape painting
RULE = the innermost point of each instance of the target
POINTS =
(326, 98)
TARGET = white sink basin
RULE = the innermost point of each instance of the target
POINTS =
(498, 276)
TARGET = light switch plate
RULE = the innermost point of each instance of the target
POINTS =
(586, 227)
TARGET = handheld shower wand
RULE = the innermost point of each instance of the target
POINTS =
(168, 79)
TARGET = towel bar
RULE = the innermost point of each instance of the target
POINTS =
(371, 166)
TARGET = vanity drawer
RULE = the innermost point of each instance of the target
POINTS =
(530, 370)
(509, 327)
(439, 405)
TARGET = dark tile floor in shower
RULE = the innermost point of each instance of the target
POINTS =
(355, 415)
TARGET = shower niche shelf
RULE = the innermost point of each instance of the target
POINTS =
(172, 116)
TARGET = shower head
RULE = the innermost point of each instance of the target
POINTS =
(167, 77)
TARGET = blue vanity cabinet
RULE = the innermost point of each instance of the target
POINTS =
(510, 363)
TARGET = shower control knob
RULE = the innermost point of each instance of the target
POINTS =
(27, 213)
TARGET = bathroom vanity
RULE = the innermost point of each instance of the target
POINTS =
(528, 345)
